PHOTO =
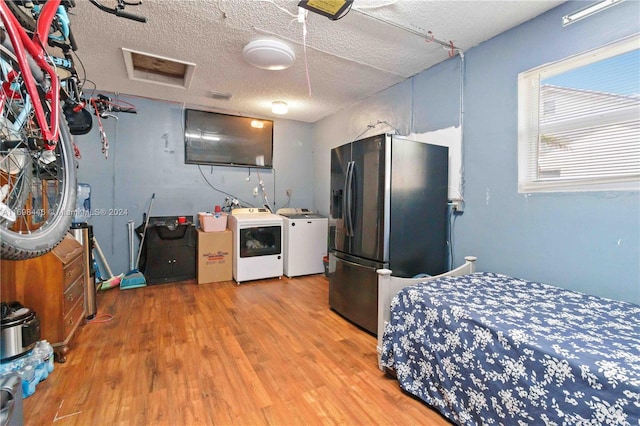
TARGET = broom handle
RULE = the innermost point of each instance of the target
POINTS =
(102, 258)
(144, 231)
(132, 256)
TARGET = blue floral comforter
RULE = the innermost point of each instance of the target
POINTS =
(490, 349)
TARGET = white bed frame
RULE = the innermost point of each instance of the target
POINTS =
(389, 286)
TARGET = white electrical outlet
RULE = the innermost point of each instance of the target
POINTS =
(255, 191)
(289, 192)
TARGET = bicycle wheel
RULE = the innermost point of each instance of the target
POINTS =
(37, 185)
(22, 14)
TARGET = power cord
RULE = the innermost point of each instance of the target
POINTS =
(221, 191)
(453, 215)
(100, 318)
(373, 126)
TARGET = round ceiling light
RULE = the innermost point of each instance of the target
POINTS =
(268, 54)
(279, 107)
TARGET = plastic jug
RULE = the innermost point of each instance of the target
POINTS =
(82, 212)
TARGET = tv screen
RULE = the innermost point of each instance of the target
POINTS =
(228, 140)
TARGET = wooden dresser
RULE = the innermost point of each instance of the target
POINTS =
(53, 286)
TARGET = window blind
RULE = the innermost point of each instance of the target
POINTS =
(579, 122)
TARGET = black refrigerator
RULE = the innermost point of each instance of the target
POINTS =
(388, 209)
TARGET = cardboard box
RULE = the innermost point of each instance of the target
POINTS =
(215, 256)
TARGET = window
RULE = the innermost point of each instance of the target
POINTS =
(579, 122)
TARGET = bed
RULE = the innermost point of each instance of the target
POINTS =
(485, 348)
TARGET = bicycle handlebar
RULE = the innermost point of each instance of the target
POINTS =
(121, 109)
(119, 11)
(103, 105)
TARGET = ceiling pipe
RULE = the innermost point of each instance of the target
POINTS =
(428, 37)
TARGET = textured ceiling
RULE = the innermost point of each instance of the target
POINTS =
(337, 65)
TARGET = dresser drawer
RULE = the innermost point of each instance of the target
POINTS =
(73, 318)
(72, 271)
(72, 295)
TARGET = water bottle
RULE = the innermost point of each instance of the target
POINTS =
(43, 359)
(28, 376)
(47, 349)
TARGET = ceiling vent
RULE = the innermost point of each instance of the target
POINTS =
(158, 69)
(268, 54)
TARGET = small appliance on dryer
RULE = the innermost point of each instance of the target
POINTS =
(305, 241)
(257, 244)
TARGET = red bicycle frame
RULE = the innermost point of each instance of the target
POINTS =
(22, 45)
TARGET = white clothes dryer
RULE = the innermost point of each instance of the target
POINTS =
(257, 244)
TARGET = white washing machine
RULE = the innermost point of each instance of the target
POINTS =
(305, 241)
(257, 244)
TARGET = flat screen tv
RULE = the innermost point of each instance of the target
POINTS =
(228, 140)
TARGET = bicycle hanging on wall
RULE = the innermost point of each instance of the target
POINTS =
(40, 91)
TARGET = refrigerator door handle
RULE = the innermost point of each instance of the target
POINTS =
(345, 198)
(349, 199)
(361, 265)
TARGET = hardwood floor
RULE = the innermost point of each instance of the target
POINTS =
(264, 352)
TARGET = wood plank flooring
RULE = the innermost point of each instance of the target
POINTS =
(268, 352)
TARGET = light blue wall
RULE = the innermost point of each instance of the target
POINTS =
(436, 97)
(392, 105)
(146, 156)
(584, 241)
(589, 241)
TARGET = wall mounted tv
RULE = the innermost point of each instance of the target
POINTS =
(227, 140)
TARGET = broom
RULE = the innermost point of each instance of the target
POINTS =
(134, 278)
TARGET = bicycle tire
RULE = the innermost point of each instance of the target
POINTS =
(23, 15)
(38, 185)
